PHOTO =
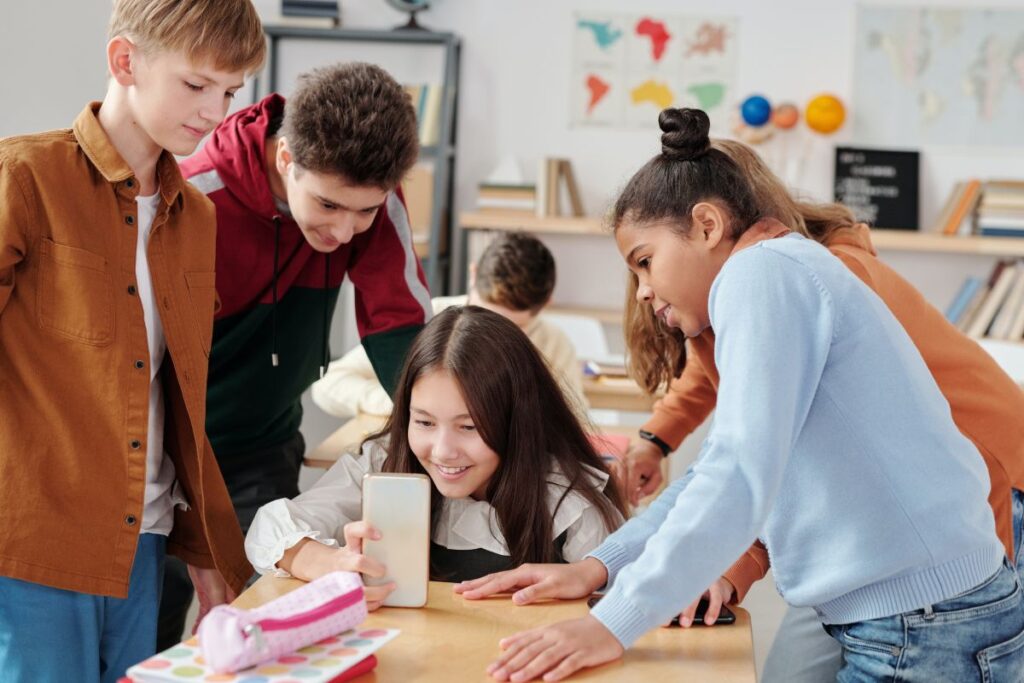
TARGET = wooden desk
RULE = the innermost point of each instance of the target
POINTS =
(452, 639)
(617, 393)
(345, 439)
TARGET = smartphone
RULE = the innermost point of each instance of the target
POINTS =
(398, 505)
(724, 617)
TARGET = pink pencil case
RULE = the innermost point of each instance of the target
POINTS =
(232, 639)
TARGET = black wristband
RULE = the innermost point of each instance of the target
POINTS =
(653, 438)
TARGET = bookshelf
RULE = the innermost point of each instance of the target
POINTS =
(891, 240)
(432, 248)
(897, 240)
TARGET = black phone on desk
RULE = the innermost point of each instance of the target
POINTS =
(726, 616)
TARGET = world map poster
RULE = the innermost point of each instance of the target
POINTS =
(944, 76)
(628, 67)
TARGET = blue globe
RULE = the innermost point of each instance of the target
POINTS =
(756, 111)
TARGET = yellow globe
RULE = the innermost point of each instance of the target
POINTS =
(825, 114)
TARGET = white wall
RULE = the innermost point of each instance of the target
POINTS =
(514, 100)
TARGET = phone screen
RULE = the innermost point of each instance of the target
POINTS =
(726, 616)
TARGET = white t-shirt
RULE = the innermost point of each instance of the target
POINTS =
(158, 506)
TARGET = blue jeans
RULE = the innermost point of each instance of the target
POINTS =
(803, 653)
(1018, 530)
(48, 635)
(975, 636)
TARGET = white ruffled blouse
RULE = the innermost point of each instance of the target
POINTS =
(322, 512)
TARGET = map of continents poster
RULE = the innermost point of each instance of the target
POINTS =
(946, 76)
(628, 67)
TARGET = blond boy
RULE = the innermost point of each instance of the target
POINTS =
(106, 311)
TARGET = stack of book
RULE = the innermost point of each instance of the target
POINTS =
(498, 196)
(426, 100)
(1001, 210)
(991, 307)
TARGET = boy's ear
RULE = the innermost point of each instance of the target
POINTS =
(472, 277)
(283, 157)
(121, 54)
(710, 223)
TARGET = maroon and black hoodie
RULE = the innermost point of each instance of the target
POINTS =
(278, 294)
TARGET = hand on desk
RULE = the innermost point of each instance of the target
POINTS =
(309, 559)
(556, 651)
(533, 582)
(643, 470)
(718, 594)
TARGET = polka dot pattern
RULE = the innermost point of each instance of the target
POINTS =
(318, 663)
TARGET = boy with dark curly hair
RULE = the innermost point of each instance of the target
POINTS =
(307, 193)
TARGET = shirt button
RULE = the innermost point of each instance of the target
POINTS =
(135, 444)
(131, 290)
(130, 220)
(139, 364)
(130, 520)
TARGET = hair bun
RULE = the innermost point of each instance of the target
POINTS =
(684, 134)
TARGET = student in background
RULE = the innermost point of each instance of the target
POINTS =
(986, 405)
(514, 477)
(106, 306)
(307, 193)
(831, 442)
(514, 277)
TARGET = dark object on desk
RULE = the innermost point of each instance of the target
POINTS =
(880, 186)
(726, 616)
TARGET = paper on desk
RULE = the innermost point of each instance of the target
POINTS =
(317, 663)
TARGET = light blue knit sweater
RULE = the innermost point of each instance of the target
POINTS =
(831, 442)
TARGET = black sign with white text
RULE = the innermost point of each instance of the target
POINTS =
(880, 186)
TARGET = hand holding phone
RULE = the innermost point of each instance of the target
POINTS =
(398, 507)
(726, 616)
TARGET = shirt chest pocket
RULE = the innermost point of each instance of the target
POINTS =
(203, 295)
(75, 294)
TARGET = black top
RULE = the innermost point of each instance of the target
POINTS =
(465, 565)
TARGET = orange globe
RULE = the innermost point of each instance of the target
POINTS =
(785, 116)
(825, 114)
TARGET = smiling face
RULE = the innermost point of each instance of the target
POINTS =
(675, 271)
(445, 440)
(328, 210)
(176, 101)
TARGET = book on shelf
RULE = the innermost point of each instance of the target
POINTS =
(959, 208)
(968, 290)
(995, 300)
(1003, 320)
(426, 100)
(557, 182)
(506, 197)
(1001, 209)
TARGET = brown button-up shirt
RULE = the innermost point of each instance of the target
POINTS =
(73, 403)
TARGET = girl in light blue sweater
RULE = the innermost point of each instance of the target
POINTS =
(831, 442)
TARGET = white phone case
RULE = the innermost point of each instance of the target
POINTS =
(398, 505)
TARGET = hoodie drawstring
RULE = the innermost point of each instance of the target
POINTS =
(273, 310)
(325, 358)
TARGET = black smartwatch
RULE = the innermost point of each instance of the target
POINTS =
(653, 438)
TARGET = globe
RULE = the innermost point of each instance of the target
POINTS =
(409, 5)
(412, 7)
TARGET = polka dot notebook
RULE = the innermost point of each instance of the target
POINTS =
(317, 663)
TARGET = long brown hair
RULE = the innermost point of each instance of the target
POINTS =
(693, 168)
(521, 414)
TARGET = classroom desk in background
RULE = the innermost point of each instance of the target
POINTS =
(452, 639)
